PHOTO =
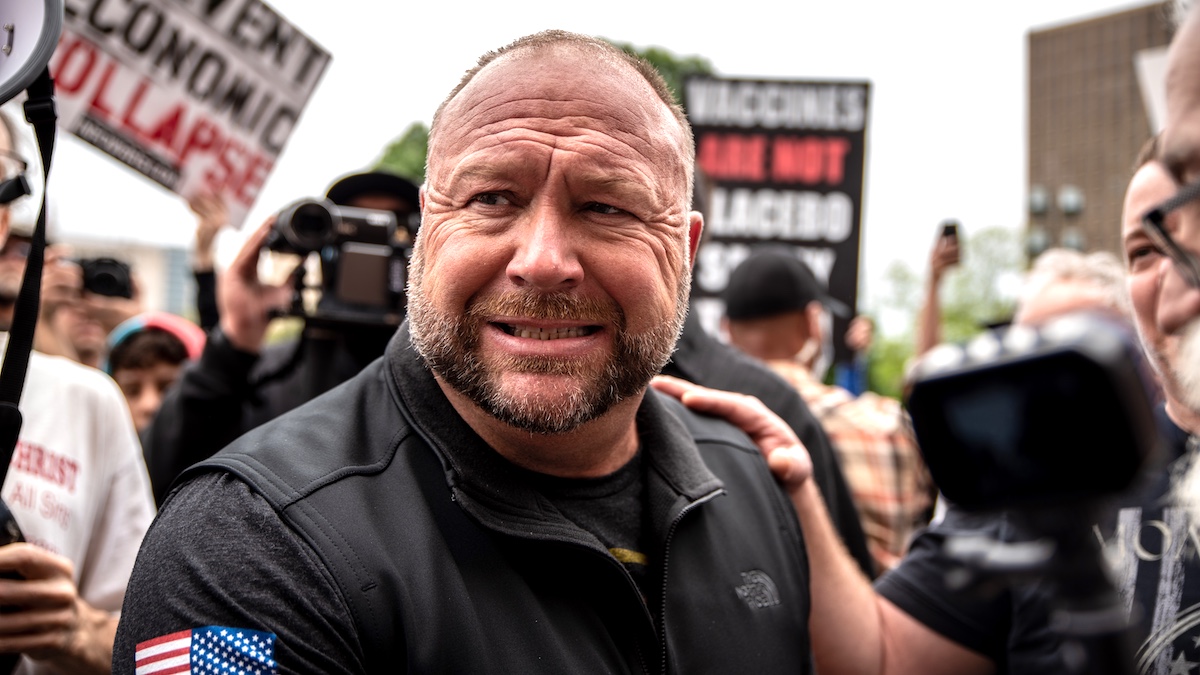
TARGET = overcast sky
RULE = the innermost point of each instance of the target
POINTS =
(947, 122)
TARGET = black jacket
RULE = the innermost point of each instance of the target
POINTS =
(442, 557)
(701, 358)
(228, 392)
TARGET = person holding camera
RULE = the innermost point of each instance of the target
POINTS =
(239, 382)
(913, 620)
(83, 300)
(78, 490)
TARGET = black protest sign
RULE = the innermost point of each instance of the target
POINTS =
(785, 161)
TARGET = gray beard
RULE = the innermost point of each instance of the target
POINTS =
(449, 345)
(1187, 368)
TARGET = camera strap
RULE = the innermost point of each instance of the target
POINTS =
(39, 112)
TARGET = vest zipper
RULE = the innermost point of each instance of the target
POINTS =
(632, 584)
(662, 628)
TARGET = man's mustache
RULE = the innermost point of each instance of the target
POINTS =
(546, 306)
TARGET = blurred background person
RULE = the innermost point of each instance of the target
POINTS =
(146, 355)
(910, 620)
(945, 256)
(1062, 281)
(78, 489)
(701, 358)
(853, 375)
(774, 311)
(211, 216)
(83, 300)
(239, 381)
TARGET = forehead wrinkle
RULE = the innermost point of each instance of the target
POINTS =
(542, 76)
(594, 116)
(475, 165)
(620, 115)
(511, 165)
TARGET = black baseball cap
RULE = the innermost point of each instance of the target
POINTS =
(353, 185)
(773, 282)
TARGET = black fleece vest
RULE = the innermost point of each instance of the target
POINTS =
(446, 565)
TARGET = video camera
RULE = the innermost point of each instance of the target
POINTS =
(1029, 418)
(107, 276)
(364, 260)
(1040, 427)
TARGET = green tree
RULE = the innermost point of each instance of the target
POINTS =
(976, 294)
(405, 156)
(674, 69)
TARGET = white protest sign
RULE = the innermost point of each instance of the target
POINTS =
(197, 95)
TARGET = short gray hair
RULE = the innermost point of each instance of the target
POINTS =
(1101, 270)
(1178, 11)
(583, 43)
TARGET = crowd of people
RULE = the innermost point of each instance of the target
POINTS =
(503, 482)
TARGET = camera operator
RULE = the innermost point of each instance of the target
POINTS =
(82, 301)
(237, 384)
(911, 620)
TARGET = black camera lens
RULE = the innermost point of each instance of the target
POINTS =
(307, 226)
(312, 222)
(106, 276)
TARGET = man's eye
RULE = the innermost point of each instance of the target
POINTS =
(604, 209)
(491, 199)
(1142, 257)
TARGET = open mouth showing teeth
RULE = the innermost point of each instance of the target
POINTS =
(535, 333)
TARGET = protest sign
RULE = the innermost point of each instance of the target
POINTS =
(197, 95)
(785, 161)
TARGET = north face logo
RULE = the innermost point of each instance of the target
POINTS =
(757, 590)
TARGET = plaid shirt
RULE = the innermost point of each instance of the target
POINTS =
(888, 479)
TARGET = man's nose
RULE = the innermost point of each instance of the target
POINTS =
(546, 257)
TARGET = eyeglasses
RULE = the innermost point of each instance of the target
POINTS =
(1154, 223)
(11, 164)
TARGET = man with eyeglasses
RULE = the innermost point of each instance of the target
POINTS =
(16, 248)
(911, 621)
(77, 487)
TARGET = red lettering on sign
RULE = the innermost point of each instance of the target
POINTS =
(810, 160)
(239, 172)
(204, 135)
(733, 156)
(98, 103)
(251, 178)
(178, 130)
(167, 126)
(74, 67)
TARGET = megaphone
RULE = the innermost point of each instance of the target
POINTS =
(29, 32)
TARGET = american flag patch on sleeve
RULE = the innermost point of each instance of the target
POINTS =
(210, 649)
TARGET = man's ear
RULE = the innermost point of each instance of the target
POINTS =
(812, 317)
(421, 198)
(695, 229)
